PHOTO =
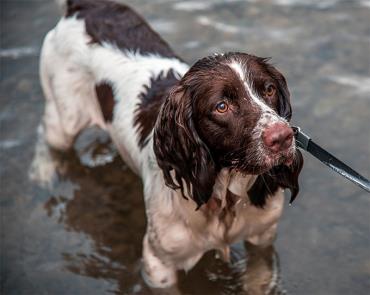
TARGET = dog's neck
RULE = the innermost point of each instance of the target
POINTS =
(230, 188)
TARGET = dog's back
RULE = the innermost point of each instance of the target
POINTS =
(99, 66)
(119, 25)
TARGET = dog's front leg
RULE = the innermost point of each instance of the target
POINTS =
(265, 238)
(46, 163)
(170, 242)
(156, 272)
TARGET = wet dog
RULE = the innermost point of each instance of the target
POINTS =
(211, 142)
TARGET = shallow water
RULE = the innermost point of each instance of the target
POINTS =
(82, 235)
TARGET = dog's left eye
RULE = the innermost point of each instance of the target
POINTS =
(270, 90)
(222, 107)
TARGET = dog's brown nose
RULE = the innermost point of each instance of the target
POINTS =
(277, 137)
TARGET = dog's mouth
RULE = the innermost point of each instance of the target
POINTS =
(261, 162)
(285, 158)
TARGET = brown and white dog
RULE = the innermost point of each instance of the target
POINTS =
(211, 142)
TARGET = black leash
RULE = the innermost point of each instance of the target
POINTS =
(305, 142)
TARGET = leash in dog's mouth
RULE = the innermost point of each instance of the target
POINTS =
(304, 142)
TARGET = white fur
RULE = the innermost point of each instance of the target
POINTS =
(247, 82)
(177, 235)
(268, 115)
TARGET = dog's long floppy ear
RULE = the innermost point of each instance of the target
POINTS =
(284, 109)
(280, 176)
(181, 154)
(284, 106)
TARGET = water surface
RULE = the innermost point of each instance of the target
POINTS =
(82, 234)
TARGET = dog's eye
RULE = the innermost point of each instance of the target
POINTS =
(270, 90)
(222, 107)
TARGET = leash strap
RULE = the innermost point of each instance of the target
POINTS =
(305, 142)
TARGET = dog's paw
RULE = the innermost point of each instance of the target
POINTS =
(43, 170)
(45, 166)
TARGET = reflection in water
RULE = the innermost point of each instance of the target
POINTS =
(104, 202)
(252, 270)
(264, 277)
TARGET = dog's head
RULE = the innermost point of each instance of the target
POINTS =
(231, 111)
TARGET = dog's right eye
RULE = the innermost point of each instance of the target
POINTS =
(270, 91)
(222, 107)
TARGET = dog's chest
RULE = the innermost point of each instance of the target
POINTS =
(242, 220)
(229, 216)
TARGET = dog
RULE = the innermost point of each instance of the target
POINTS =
(211, 142)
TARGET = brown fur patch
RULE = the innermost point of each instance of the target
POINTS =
(104, 92)
(282, 176)
(151, 101)
(118, 24)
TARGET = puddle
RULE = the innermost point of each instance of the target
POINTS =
(81, 232)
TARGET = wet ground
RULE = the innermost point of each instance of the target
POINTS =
(82, 234)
